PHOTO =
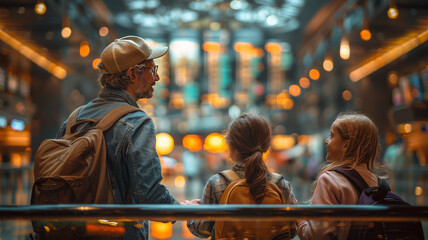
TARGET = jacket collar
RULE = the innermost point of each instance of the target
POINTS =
(119, 94)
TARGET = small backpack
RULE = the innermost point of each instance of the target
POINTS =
(73, 169)
(238, 192)
(380, 195)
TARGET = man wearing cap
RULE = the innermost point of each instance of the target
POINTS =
(128, 74)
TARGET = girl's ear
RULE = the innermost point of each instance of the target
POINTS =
(346, 145)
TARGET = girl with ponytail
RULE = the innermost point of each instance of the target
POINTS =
(247, 137)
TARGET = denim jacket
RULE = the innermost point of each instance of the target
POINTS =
(132, 160)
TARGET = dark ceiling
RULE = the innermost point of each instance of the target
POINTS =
(316, 32)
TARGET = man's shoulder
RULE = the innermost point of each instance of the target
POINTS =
(98, 111)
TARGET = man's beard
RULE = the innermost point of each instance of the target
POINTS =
(144, 93)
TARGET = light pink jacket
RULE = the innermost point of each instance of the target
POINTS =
(333, 188)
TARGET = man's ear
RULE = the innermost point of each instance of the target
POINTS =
(131, 73)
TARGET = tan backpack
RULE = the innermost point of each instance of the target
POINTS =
(73, 169)
(238, 192)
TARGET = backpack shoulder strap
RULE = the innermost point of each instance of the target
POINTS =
(275, 177)
(108, 120)
(354, 177)
(72, 119)
(230, 175)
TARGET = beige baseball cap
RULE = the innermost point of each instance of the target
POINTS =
(126, 52)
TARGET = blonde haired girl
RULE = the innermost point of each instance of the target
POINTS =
(354, 144)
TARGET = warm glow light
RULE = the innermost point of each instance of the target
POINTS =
(314, 74)
(287, 104)
(328, 64)
(66, 32)
(107, 229)
(215, 143)
(84, 49)
(294, 90)
(103, 31)
(273, 48)
(407, 128)
(164, 143)
(192, 142)
(389, 56)
(282, 142)
(283, 101)
(213, 47)
(16, 160)
(365, 34)
(243, 47)
(303, 140)
(304, 82)
(95, 62)
(40, 8)
(161, 230)
(180, 181)
(59, 72)
(345, 50)
(347, 95)
(393, 79)
(392, 12)
(418, 191)
(34, 56)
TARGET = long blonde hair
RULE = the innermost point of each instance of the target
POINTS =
(363, 143)
(248, 137)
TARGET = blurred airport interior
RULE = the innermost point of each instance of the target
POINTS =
(297, 62)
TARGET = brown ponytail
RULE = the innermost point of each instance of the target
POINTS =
(248, 137)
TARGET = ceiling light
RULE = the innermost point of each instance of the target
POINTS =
(84, 49)
(136, 5)
(328, 64)
(238, 4)
(40, 7)
(151, 4)
(272, 20)
(392, 11)
(189, 16)
(66, 30)
(103, 31)
(345, 50)
(314, 74)
(244, 16)
(365, 34)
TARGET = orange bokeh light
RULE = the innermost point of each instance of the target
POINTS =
(314, 74)
(161, 230)
(365, 34)
(95, 62)
(304, 82)
(273, 48)
(84, 49)
(294, 90)
(215, 143)
(192, 142)
(347, 95)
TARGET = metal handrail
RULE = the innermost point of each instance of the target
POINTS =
(165, 212)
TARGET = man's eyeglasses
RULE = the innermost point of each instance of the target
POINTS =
(141, 66)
